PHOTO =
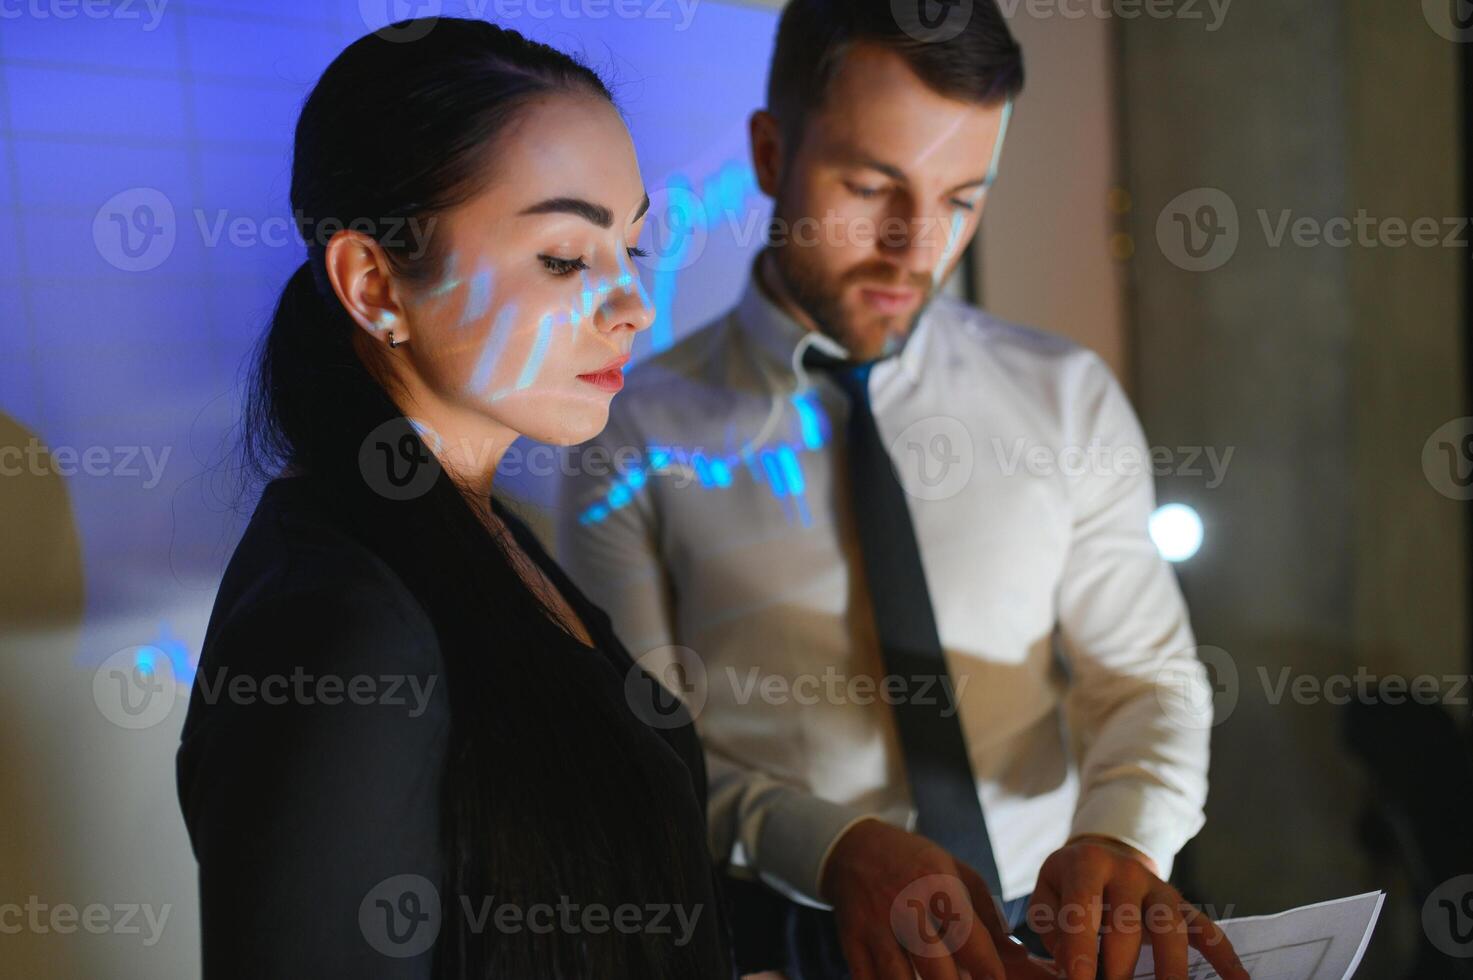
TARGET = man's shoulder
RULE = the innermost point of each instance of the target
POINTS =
(1024, 354)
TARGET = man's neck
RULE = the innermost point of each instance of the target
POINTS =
(770, 281)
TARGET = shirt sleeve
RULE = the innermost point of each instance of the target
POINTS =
(1139, 701)
(607, 541)
(309, 776)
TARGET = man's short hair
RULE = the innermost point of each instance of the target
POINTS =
(981, 62)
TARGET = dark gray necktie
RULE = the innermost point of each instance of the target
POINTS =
(936, 762)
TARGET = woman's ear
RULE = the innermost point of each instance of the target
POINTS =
(361, 276)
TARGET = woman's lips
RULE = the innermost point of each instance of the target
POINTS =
(608, 378)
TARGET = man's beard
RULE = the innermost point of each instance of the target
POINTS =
(806, 285)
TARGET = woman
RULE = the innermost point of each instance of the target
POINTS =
(410, 751)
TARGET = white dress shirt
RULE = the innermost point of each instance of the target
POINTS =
(723, 541)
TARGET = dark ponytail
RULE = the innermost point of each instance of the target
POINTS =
(400, 130)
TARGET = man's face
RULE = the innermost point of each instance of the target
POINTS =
(878, 199)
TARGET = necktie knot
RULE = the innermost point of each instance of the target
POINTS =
(852, 376)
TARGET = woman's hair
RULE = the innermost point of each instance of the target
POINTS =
(542, 801)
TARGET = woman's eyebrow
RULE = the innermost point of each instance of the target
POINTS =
(594, 213)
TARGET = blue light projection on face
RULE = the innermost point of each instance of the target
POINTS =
(590, 298)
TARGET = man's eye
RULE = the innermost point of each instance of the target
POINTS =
(866, 192)
(563, 267)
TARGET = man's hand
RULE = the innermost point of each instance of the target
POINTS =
(905, 907)
(1100, 890)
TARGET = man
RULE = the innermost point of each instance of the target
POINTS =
(838, 532)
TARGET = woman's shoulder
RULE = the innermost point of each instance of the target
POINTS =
(300, 575)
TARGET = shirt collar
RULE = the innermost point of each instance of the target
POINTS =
(777, 334)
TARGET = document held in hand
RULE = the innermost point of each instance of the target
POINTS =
(1324, 941)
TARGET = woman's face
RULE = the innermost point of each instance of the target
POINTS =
(539, 299)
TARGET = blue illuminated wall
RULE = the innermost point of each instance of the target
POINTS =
(144, 239)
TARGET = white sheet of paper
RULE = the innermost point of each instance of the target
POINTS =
(1324, 941)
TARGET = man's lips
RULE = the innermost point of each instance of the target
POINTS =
(888, 300)
(610, 377)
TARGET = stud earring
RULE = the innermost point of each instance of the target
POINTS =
(392, 341)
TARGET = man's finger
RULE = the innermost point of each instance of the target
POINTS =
(856, 954)
(1168, 934)
(1043, 916)
(1079, 924)
(978, 953)
(890, 960)
(1213, 944)
(934, 967)
(1120, 946)
(987, 905)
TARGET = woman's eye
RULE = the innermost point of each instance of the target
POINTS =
(635, 252)
(866, 192)
(964, 205)
(563, 267)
